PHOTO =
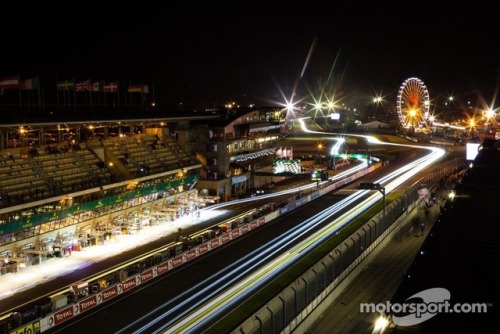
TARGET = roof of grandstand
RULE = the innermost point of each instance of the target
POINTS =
(15, 116)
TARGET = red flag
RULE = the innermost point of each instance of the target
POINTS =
(111, 87)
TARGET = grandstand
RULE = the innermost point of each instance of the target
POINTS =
(65, 194)
(53, 170)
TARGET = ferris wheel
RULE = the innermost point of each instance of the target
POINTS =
(413, 103)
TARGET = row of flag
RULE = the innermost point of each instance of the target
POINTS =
(284, 153)
(15, 82)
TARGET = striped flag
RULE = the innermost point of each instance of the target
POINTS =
(30, 84)
(135, 89)
(97, 86)
(144, 89)
(10, 82)
(83, 86)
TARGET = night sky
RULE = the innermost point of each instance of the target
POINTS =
(207, 54)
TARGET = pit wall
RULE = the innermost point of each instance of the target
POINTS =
(96, 297)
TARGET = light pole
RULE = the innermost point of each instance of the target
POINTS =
(489, 114)
(320, 148)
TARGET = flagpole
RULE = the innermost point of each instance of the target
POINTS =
(57, 90)
(142, 93)
(154, 99)
(104, 91)
(125, 98)
(38, 90)
(118, 90)
(91, 91)
(19, 87)
(74, 91)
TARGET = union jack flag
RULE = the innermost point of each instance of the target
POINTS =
(83, 86)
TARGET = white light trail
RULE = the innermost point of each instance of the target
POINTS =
(231, 291)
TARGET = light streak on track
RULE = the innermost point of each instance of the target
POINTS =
(196, 308)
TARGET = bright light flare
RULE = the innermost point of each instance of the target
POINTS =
(380, 324)
(452, 195)
(490, 113)
(330, 105)
(318, 106)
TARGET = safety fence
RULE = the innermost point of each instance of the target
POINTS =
(295, 305)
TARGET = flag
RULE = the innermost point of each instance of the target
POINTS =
(10, 82)
(97, 86)
(66, 85)
(111, 87)
(83, 86)
(30, 84)
(135, 89)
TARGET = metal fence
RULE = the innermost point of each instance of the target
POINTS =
(287, 311)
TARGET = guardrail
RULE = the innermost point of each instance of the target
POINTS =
(295, 305)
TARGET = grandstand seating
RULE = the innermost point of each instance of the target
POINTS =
(55, 170)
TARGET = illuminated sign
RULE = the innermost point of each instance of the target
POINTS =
(286, 166)
(471, 150)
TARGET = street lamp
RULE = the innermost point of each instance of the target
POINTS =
(320, 148)
(381, 324)
(374, 186)
(22, 135)
(452, 195)
(489, 114)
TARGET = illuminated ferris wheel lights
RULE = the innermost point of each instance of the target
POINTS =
(413, 103)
